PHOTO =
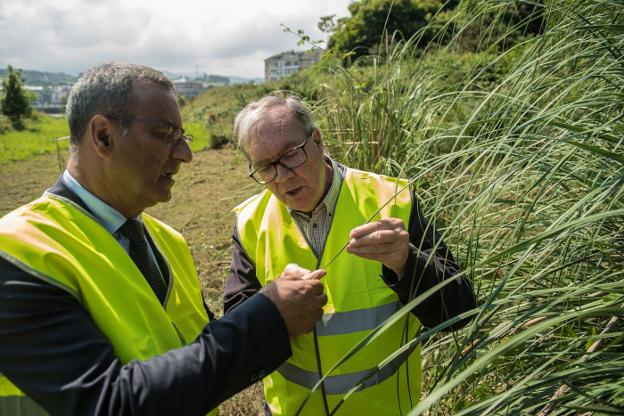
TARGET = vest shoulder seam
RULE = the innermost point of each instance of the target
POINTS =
(33, 272)
(67, 201)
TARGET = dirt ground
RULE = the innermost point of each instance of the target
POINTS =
(205, 192)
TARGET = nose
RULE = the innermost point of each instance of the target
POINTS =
(283, 173)
(182, 151)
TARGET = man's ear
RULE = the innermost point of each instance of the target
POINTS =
(318, 139)
(100, 134)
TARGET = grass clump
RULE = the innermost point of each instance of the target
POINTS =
(516, 153)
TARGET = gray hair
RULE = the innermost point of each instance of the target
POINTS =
(248, 117)
(106, 89)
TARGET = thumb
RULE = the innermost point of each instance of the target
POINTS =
(315, 275)
(294, 271)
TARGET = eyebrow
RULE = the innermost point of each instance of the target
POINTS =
(262, 162)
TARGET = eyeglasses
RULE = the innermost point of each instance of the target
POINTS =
(292, 159)
(163, 130)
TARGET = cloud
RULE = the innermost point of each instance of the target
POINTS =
(231, 38)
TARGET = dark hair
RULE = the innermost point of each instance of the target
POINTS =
(106, 89)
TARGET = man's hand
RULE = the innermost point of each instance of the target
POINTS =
(386, 241)
(299, 296)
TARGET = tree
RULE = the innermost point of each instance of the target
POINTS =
(365, 31)
(362, 33)
(15, 104)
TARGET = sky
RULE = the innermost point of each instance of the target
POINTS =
(225, 37)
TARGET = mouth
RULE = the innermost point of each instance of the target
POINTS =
(168, 176)
(294, 192)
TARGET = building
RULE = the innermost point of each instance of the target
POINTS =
(37, 94)
(286, 63)
(188, 89)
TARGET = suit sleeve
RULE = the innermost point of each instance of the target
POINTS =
(430, 262)
(242, 281)
(51, 349)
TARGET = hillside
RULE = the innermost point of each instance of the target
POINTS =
(42, 78)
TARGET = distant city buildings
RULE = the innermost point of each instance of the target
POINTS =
(188, 89)
(49, 99)
(286, 63)
(49, 91)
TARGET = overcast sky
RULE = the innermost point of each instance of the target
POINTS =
(225, 37)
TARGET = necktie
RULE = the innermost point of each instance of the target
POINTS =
(140, 255)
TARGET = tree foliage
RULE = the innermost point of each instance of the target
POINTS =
(372, 20)
(15, 104)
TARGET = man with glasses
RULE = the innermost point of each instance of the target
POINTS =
(311, 209)
(101, 311)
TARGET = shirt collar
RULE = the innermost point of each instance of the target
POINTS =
(331, 197)
(109, 217)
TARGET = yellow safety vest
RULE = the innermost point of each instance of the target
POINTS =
(62, 244)
(358, 301)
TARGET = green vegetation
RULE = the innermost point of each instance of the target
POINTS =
(201, 137)
(36, 138)
(511, 126)
(519, 161)
(39, 137)
(43, 78)
(371, 21)
(14, 103)
(216, 109)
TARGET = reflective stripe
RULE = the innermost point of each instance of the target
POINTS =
(20, 406)
(341, 384)
(354, 321)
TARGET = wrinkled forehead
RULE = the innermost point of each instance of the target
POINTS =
(276, 132)
(277, 124)
(279, 127)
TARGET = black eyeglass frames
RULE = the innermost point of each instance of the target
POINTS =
(292, 159)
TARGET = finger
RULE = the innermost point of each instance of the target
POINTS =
(315, 275)
(315, 285)
(388, 249)
(380, 237)
(322, 298)
(294, 271)
(382, 224)
(371, 256)
(319, 290)
(365, 229)
(319, 314)
(295, 268)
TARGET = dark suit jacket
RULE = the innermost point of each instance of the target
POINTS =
(51, 349)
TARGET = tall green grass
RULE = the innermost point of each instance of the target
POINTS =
(519, 160)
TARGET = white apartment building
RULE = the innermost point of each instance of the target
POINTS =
(286, 63)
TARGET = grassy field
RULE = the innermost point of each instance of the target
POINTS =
(37, 138)
(41, 133)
